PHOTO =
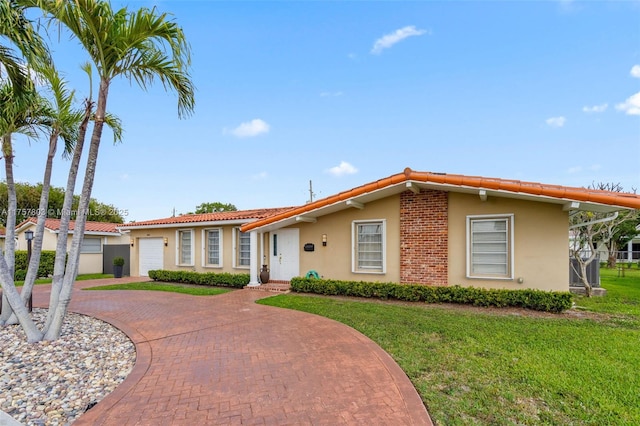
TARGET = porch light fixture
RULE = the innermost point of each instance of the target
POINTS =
(324, 240)
(166, 241)
(131, 241)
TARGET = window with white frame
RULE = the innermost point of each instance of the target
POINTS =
(91, 245)
(490, 247)
(212, 247)
(184, 255)
(242, 249)
(369, 246)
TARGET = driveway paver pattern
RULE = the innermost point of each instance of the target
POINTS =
(210, 360)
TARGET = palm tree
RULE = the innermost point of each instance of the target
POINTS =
(64, 123)
(141, 46)
(19, 30)
(27, 113)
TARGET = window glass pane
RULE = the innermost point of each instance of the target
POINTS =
(244, 247)
(91, 245)
(369, 246)
(490, 247)
(185, 247)
(213, 247)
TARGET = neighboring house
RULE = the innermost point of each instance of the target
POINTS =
(97, 235)
(208, 242)
(412, 227)
(629, 253)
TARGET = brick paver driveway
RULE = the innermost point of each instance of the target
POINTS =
(226, 360)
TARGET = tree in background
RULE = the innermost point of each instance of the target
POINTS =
(590, 229)
(28, 196)
(214, 208)
(624, 230)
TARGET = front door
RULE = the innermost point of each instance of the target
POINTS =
(284, 254)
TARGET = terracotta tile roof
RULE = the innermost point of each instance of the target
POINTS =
(623, 200)
(54, 225)
(239, 216)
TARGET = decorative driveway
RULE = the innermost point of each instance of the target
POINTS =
(208, 360)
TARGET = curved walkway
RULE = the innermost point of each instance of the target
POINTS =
(227, 360)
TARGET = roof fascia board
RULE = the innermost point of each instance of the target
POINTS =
(188, 224)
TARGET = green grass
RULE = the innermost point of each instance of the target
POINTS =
(173, 288)
(488, 367)
(623, 293)
(78, 278)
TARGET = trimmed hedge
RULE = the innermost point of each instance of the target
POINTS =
(47, 260)
(530, 299)
(201, 278)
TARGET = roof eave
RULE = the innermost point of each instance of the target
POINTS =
(187, 224)
(414, 181)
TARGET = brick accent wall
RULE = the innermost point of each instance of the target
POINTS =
(424, 237)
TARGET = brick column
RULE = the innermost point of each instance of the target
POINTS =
(424, 237)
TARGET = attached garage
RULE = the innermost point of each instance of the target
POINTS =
(151, 255)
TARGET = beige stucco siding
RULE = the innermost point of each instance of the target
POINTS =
(540, 251)
(90, 263)
(198, 254)
(334, 260)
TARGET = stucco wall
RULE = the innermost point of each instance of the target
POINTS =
(90, 263)
(198, 250)
(334, 260)
(541, 242)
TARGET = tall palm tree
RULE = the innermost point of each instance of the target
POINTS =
(64, 123)
(16, 28)
(27, 113)
(141, 46)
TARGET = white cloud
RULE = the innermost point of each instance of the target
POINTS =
(635, 71)
(249, 129)
(556, 121)
(579, 169)
(260, 176)
(595, 108)
(389, 40)
(343, 169)
(631, 106)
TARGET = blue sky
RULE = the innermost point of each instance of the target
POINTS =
(345, 93)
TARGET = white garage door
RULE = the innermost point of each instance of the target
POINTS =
(151, 255)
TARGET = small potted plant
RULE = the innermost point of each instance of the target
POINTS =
(118, 263)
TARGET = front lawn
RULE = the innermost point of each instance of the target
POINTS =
(503, 367)
(172, 288)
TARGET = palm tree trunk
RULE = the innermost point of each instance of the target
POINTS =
(61, 244)
(71, 271)
(34, 262)
(7, 263)
(10, 229)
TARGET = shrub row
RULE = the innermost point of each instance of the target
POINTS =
(202, 278)
(47, 260)
(530, 299)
